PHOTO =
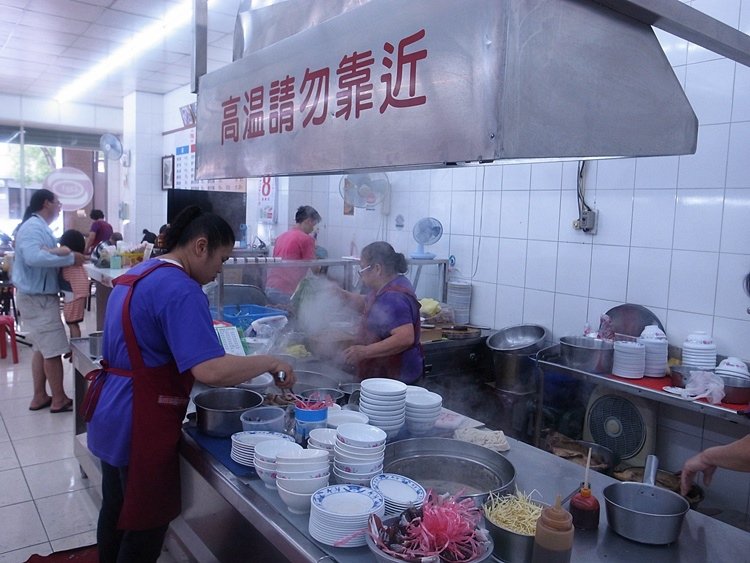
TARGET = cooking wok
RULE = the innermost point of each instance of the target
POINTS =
(643, 512)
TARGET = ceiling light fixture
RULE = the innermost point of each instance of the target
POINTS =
(144, 40)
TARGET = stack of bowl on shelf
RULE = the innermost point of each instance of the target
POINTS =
(459, 298)
(243, 444)
(629, 359)
(384, 402)
(699, 350)
(657, 351)
(399, 492)
(422, 410)
(264, 459)
(358, 453)
(299, 473)
(733, 367)
(339, 513)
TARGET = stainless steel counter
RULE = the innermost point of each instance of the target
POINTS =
(227, 518)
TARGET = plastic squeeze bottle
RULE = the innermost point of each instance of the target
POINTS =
(584, 508)
(553, 540)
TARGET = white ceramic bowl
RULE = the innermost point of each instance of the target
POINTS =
(735, 365)
(383, 386)
(381, 421)
(299, 456)
(323, 436)
(351, 478)
(423, 417)
(267, 451)
(298, 503)
(267, 465)
(381, 409)
(341, 417)
(358, 468)
(360, 435)
(281, 475)
(316, 465)
(268, 477)
(355, 450)
(699, 337)
(304, 486)
(424, 400)
(419, 427)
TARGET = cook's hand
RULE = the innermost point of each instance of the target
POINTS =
(289, 377)
(355, 354)
(695, 464)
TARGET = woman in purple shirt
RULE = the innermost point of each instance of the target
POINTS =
(390, 326)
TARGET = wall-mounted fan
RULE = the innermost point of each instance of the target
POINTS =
(111, 146)
(426, 231)
(366, 190)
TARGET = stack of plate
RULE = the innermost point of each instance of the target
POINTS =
(340, 513)
(399, 492)
(459, 298)
(657, 353)
(384, 403)
(699, 350)
(358, 453)
(629, 360)
(422, 410)
(243, 444)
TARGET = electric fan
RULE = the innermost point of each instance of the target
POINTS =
(111, 146)
(426, 231)
(365, 190)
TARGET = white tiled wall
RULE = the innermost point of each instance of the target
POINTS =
(674, 236)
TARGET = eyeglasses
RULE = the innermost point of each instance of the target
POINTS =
(360, 270)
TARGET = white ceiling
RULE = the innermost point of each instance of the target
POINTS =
(45, 44)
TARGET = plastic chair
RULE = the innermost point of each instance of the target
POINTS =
(7, 325)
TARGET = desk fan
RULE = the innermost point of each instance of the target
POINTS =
(427, 230)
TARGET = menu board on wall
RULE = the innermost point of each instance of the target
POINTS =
(182, 145)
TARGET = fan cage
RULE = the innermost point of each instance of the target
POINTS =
(629, 441)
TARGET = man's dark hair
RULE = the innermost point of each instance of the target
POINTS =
(96, 214)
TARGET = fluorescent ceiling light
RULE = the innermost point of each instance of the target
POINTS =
(144, 40)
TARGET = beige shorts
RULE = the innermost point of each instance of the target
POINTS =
(40, 317)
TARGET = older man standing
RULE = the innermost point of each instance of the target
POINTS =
(35, 275)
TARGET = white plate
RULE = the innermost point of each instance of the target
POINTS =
(383, 386)
(352, 500)
(398, 489)
(253, 437)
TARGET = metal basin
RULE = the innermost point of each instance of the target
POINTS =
(453, 466)
(587, 354)
(736, 390)
(218, 411)
(519, 339)
(513, 359)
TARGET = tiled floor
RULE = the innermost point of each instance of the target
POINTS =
(45, 504)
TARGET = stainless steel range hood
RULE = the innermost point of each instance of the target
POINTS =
(427, 83)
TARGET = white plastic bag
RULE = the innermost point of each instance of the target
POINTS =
(269, 327)
(705, 384)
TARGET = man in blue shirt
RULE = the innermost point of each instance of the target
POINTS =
(35, 275)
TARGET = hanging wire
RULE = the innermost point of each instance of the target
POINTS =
(481, 217)
(582, 205)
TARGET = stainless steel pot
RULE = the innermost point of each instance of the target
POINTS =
(95, 344)
(587, 354)
(218, 411)
(643, 512)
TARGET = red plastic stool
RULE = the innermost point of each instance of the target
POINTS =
(8, 325)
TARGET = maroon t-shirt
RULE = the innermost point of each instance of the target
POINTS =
(102, 231)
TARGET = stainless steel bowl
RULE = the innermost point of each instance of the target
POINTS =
(587, 354)
(218, 411)
(680, 374)
(736, 390)
(511, 547)
(519, 339)
(452, 466)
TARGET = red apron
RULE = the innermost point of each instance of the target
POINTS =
(387, 366)
(160, 399)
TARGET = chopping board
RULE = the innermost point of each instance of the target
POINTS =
(460, 332)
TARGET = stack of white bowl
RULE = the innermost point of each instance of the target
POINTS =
(243, 444)
(384, 402)
(699, 350)
(422, 410)
(358, 453)
(264, 459)
(459, 298)
(733, 367)
(340, 417)
(339, 513)
(629, 360)
(299, 473)
(657, 351)
(399, 492)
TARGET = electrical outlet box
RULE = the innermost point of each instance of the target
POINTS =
(588, 221)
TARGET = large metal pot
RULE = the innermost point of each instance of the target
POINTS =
(448, 465)
(513, 360)
(643, 512)
(218, 411)
(587, 354)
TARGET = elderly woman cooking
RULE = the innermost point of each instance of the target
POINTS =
(389, 332)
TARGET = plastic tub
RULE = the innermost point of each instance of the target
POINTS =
(243, 315)
(264, 418)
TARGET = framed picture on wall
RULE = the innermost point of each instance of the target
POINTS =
(167, 172)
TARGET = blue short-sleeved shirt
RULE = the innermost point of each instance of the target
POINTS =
(170, 315)
(392, 309)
